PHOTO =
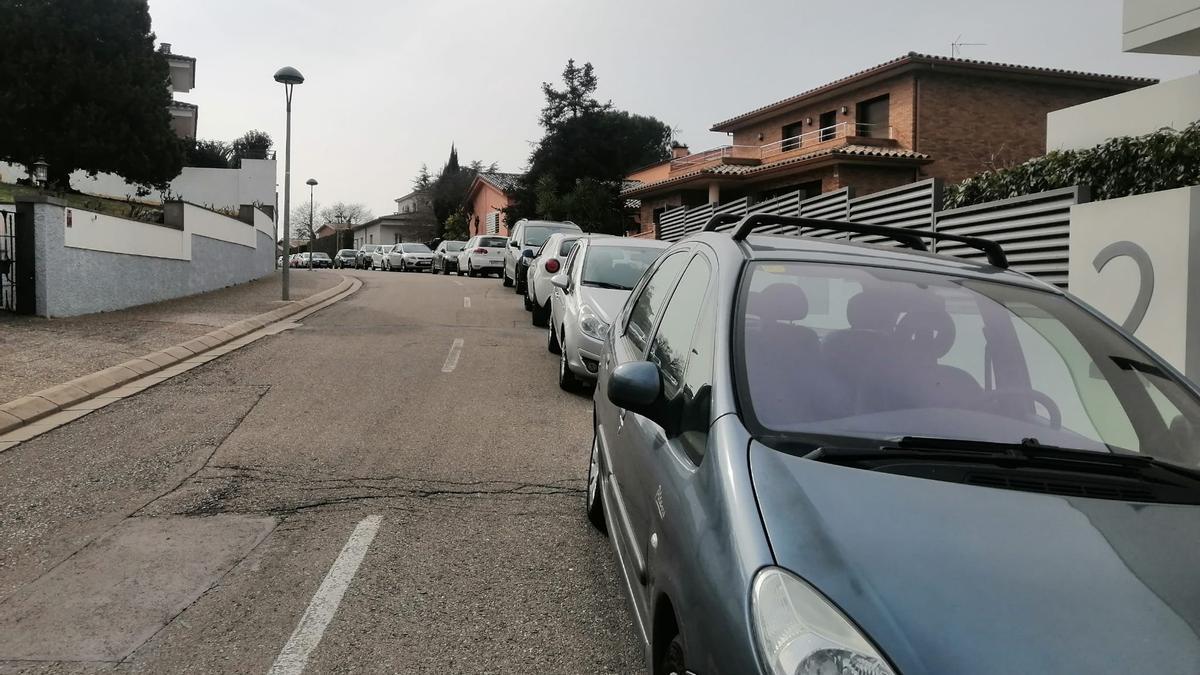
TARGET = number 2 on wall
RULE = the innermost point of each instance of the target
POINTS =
(1139, 256)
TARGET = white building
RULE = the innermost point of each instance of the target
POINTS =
(183, 78)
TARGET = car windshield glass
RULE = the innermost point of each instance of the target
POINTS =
(415, 248)
(536, 235)
(492, 242)
(877, 353)
(345, 252)
(564, 247)
(452, 246)
(321, 256)
(617, 267)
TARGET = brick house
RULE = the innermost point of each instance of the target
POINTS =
(908, 119)
(488, 197)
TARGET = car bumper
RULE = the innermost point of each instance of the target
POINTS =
(583, 356)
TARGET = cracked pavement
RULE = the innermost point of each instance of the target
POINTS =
(483, 561)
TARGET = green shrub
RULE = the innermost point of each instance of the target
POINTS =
(1118, 167)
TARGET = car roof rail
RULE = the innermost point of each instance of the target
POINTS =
(913, 239)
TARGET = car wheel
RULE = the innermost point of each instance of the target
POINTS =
(673, 658)
(459, 272)
(566, 379)
(552, 342)
(528, 303)
(540, 315)
(470, 270)
(595, 496)
(505, 280)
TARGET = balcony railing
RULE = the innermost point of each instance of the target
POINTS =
(770, 150)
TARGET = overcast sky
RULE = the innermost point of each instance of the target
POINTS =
(391, 83)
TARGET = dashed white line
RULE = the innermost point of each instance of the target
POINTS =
(324, 604)
(452, 357)
(466, 302)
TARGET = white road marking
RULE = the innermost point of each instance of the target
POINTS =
(452, 357)
(466, 302)
(324, 604)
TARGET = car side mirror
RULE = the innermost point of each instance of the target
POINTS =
(514, 244)
(562, 281)
(527, 253)
(636, 386)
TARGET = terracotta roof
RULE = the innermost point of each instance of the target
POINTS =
(929, 60)
(868, 151)
(505, 182)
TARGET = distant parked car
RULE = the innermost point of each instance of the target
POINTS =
(550, 260)
(362, 258)
(482, 254)
(344, 258)
(408, 258)
(600, 274)
(321, 259)
(294, 261)
(445, 256)
(526, 237)
(379, 255)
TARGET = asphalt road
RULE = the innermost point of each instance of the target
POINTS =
(418, 520)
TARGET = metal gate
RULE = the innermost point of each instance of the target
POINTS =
(8, 261)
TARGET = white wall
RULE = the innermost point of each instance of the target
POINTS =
(1166, 226)
(1174, 103)
(215, 188)
(1162, 26)
(98, 232)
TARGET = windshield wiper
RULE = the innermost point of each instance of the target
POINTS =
(605, 284)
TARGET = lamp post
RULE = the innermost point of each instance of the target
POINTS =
(41, 171)
(312, 234)
(288, 77)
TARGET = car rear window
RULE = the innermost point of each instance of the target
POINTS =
(492, 242)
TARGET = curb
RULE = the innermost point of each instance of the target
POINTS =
(39, 404)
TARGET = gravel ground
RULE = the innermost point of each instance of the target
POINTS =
(36, 353)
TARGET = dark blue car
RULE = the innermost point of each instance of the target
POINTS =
(817, 456)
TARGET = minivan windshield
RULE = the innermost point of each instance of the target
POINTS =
(617, 267)
(536, 235)
(877, 353)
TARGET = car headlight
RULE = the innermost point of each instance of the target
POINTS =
(592, 326)
(800, 633)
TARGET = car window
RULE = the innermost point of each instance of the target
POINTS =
(650, 300)
(565, 246)
(492, 242)
(617, 267)
(682, 349)
(570, 264)
(453, 246)
(536, 235)
(413, 248)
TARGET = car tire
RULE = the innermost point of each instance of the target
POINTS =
(459, 272)
(594, 496)
(673, 659)
(470, 270)
(540, 316)
(527, 302)
(552, 345)
(504, 279)
(566, 377)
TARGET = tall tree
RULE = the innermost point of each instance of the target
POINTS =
(83, 88)
(575, 171)
(423, 181)
(341, 213)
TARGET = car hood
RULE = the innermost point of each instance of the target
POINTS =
(954, 578)
(606, 301)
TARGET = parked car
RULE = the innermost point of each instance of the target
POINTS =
(411, 257)
(822, 456)
(362, 259)
(551, 259)
(600, 272)
(445, 256)
(296, 259)
(320, 259)
(482, 255)
(279, 261)
(525, 238)
(379, 255)
(344, 258)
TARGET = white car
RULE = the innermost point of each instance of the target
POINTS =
(379, 255)
(524, 238)
(483, 254)
(408, 258)
(601, 273)
(551, 259)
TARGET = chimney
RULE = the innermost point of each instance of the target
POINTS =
(165, 47)
(678, 151)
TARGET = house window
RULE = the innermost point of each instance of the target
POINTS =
(370, 239)
(872, 118)
(493, 222)
(791, 136)
(828, 122)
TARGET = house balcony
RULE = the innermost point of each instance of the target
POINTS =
(835, 136)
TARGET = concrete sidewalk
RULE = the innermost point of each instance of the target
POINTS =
(36, 353)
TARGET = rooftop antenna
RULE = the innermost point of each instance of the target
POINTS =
(958, 44)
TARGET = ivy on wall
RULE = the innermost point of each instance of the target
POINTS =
(1119, 167)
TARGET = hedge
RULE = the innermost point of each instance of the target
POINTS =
(1119, 167)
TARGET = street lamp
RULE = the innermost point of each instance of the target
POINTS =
(288, 77)
(312, 234)
(41, 170)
